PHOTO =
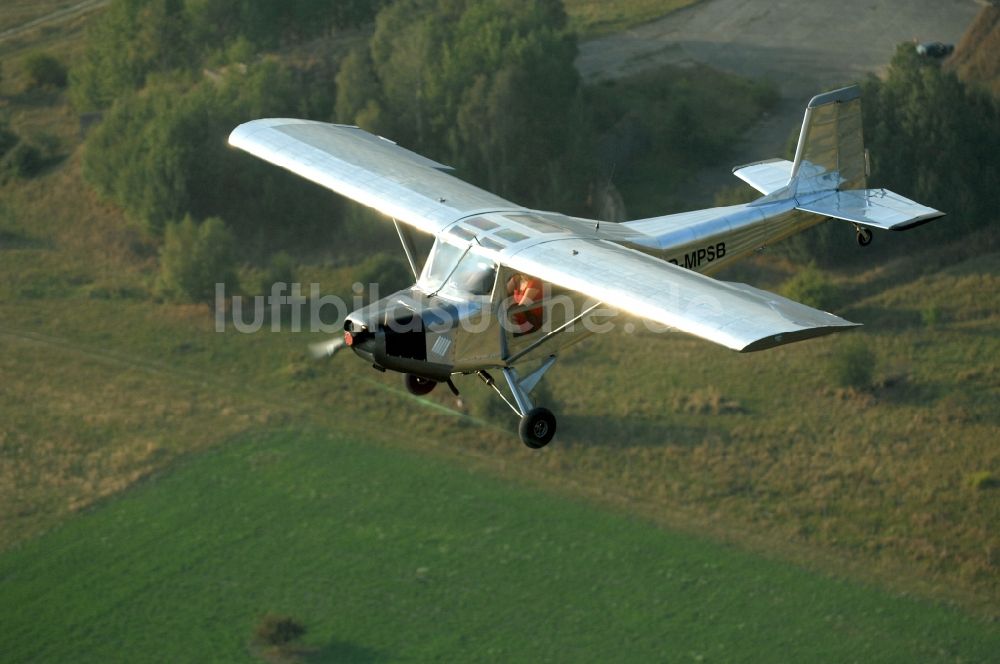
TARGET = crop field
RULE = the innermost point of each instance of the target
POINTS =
(390, 556)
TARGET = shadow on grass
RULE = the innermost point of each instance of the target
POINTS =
(882, 317)
(39, 97)
(12, 238)
(901, 389)
(632, 431)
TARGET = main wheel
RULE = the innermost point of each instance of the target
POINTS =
(537, 428)
(418, 385)
(864, 236)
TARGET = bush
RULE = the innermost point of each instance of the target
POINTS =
(852, 364)
(274, 630)
(194, 258)
(931, 316)
(23, 161)
(44, 71)
(811, 287)
(983, 480)
(281, 268)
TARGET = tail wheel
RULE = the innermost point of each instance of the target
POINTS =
(864, 236)
(537, 428)
(418, 385)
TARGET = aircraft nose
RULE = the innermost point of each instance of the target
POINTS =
(358, 337)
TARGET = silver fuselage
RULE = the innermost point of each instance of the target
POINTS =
(432, 331)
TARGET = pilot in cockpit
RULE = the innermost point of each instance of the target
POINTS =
(525, 290)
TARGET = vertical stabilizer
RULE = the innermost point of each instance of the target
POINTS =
(831, 152)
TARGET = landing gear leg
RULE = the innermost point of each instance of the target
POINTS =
(864, 235)
(538, 425)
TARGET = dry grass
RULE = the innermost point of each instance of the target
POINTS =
(975, 59)
(596, 17)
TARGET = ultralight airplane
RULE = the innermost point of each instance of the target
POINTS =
(505, 286)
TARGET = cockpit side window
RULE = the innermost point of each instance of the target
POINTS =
(474, 275)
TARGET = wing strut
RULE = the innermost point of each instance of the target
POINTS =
(538, 342)
(406, 239)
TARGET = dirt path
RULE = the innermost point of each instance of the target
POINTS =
(803, 47)
(55, 17)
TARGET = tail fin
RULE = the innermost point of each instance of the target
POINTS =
(831, 150)
(830, 154)
(829, 174)
(830, 162)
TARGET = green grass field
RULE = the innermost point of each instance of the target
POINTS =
(390, 556)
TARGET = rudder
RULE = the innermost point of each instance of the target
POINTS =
(830, 154)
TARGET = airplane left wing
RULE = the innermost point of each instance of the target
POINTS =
(369, 169)
(733, 315)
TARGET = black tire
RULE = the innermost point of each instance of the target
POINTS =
(864, 237)
(537, 428)
(418, 385)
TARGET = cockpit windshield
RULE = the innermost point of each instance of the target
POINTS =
(440, 264)
(454, 270)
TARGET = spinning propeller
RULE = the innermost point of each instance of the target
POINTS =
(327, 348)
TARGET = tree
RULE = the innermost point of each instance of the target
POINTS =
(163, 154)
(487, 87)
(129, 41)
(135, 39)
(934, 139)
(359, 98)
(194, 258)
(931, 139)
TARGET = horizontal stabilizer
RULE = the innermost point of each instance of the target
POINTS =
(765, 176)
(878, 208)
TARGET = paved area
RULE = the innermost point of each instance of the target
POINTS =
(803, 46)
(800, 44)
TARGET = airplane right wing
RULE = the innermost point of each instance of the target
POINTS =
(733, 315)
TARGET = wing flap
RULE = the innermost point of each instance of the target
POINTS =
(368, 169)
(878, 208)
(737, 316)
